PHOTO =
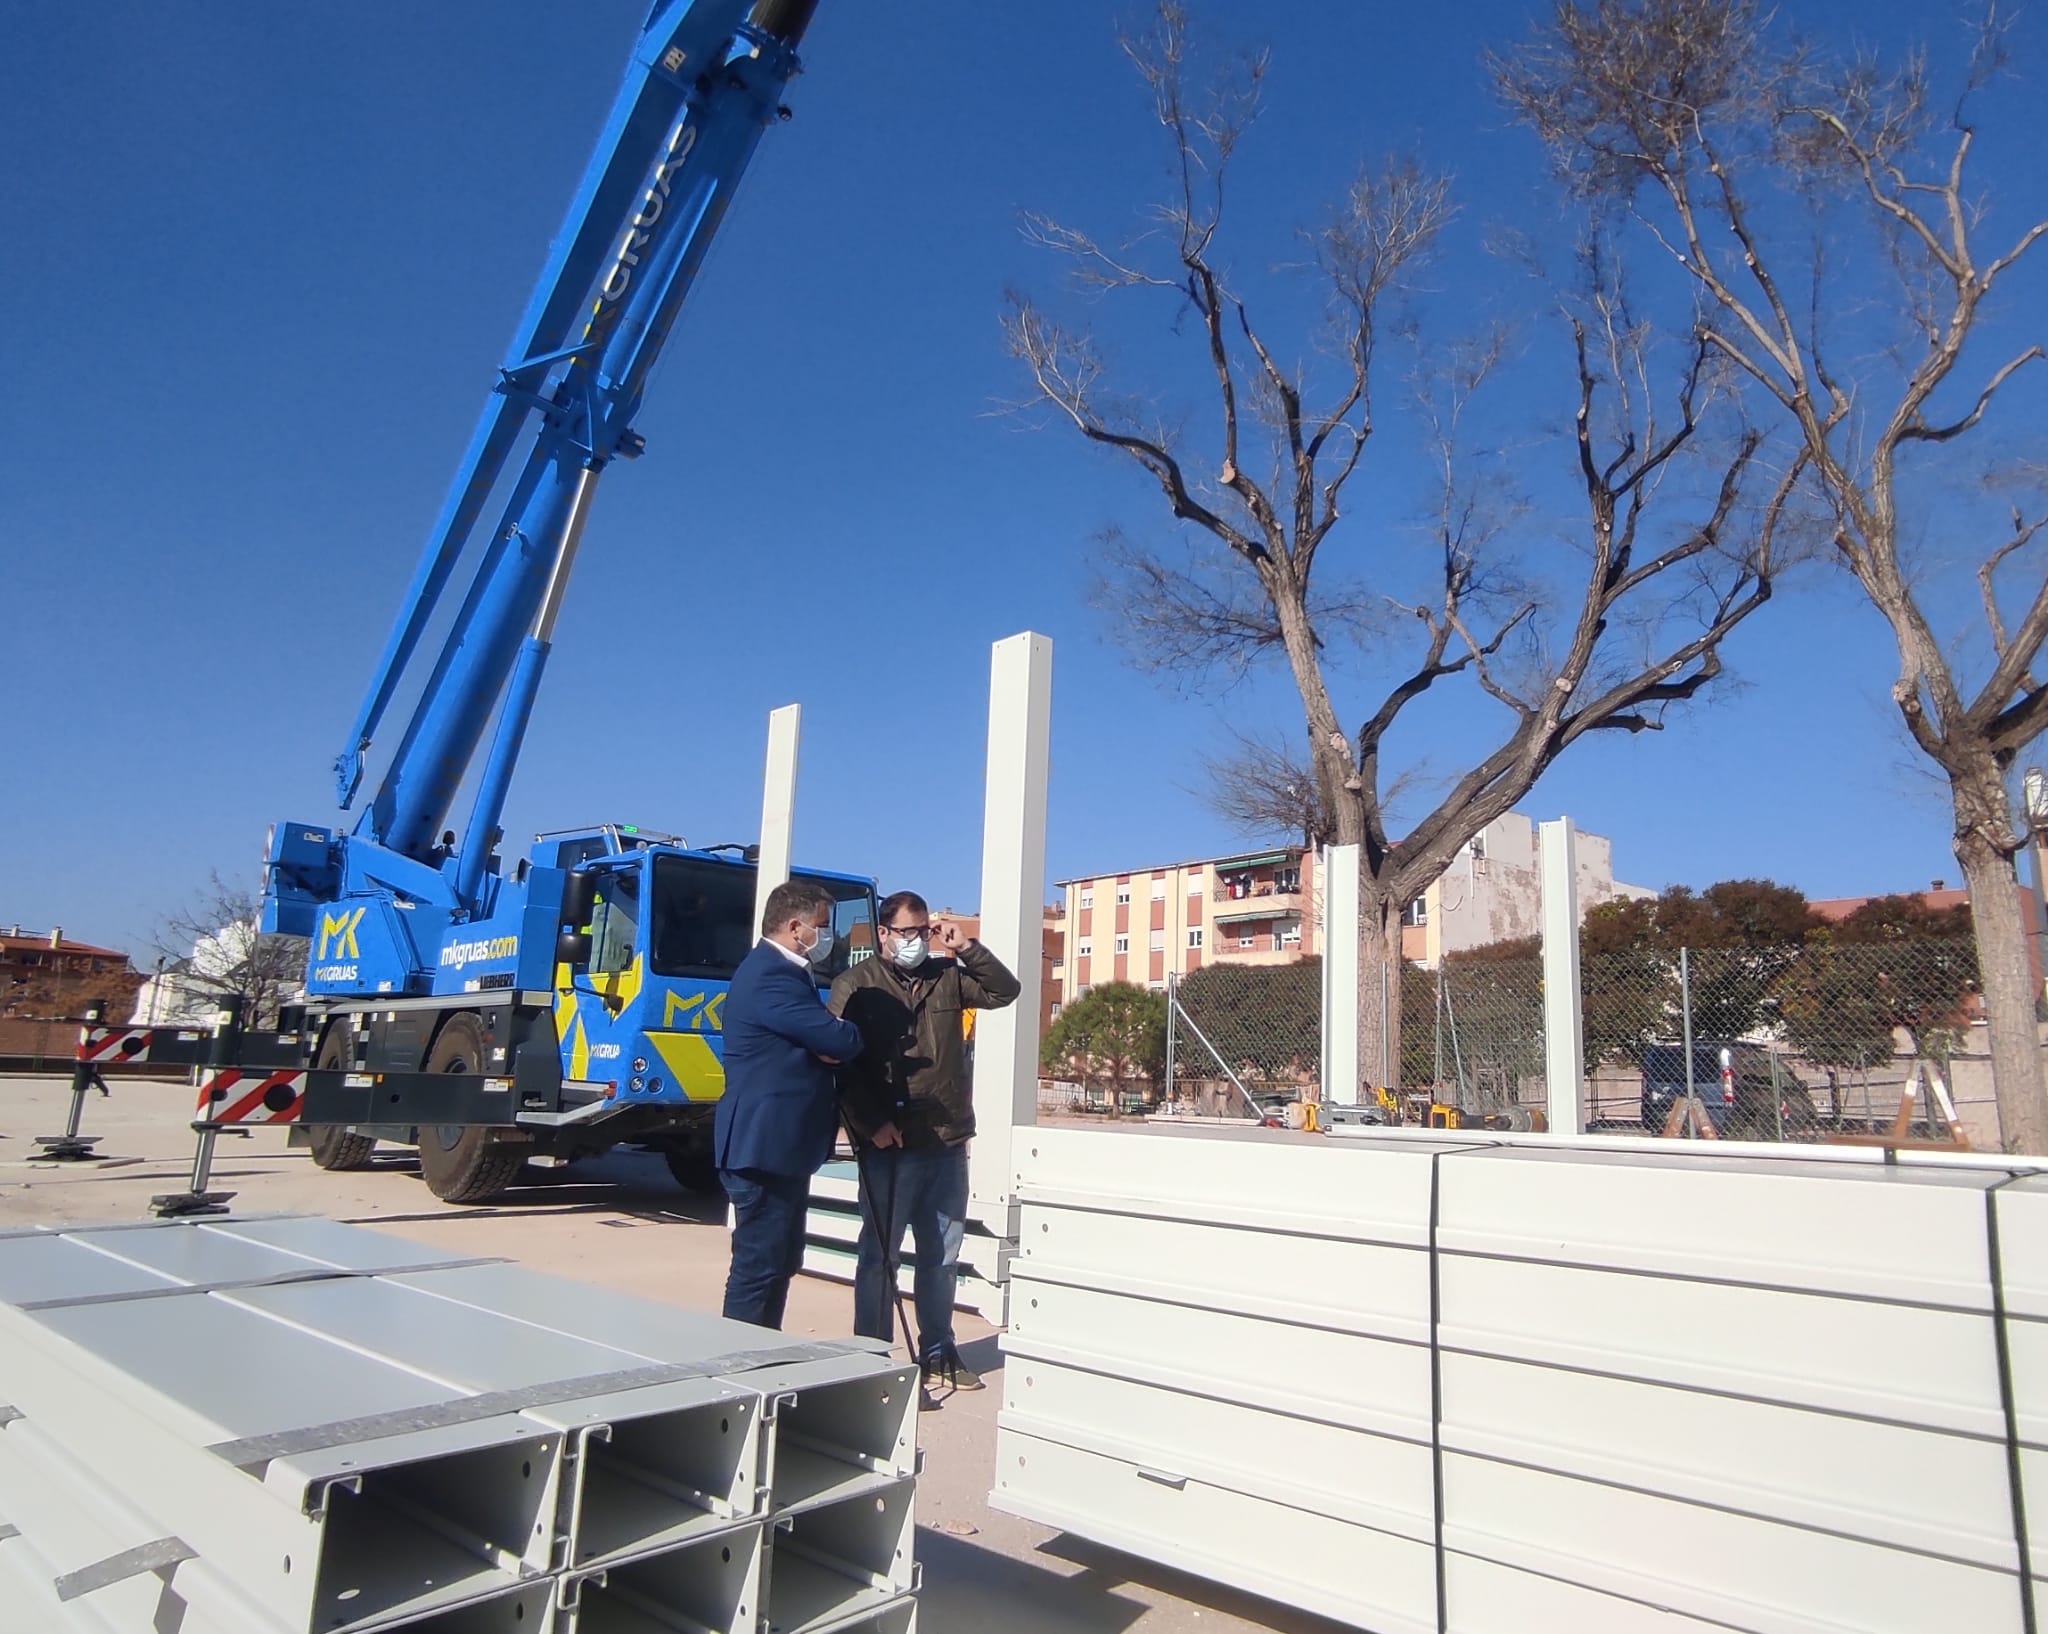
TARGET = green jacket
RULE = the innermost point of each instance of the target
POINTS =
(912, 1069)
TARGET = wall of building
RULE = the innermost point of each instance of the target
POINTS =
(44, 976)
(1493, 889)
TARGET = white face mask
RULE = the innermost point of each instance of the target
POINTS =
(820, 950)
(909, 952)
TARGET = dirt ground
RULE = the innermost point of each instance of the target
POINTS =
(623, 1223)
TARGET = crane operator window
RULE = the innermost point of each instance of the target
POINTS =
(615, 922)
(703, 922)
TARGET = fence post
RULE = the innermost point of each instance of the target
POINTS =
(1692, 1100)
(1172, 1008)
(1564, 1021)
(1340, 976)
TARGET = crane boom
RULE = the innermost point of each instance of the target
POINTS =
(706, 78)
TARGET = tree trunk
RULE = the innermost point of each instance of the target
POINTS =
(2010, 991)
(1379, 991)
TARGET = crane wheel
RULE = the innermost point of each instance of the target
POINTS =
(332, 1147)
(693, 1167)
(460, 1162)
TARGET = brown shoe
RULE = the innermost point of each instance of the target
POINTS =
(945, 1367)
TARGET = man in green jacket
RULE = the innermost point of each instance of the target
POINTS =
(909, 1101)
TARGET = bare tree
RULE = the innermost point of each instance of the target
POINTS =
(212, 951)
(1632, 625)
(1693, 117)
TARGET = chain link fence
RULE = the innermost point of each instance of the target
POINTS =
(1243, 1041)
(1801, 1042)
(1796, 1042)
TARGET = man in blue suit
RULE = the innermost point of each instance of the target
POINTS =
(776, 1119)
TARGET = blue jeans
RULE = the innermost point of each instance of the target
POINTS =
(926, 1190)
(767, 1242)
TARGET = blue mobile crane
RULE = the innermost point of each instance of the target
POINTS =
(573, 1003)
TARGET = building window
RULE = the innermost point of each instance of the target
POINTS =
(1477, 846)
(1059, 966)
(1123, 944)
(1248, 938)
(1157, 987)
(1416, 913)
(1291, 935)
(1287, 881)
(1087, 899)
(1195, 883)
(1159, 941)
(1195, 936)
(1084, 950)
(1159, 890)
(1055, 1009)
(1123, 896)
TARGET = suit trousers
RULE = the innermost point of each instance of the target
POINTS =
(767, 1242)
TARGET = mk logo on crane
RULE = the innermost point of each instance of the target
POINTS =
(338, 939)
(338, 934)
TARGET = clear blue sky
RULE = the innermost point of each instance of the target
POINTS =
(257, 263)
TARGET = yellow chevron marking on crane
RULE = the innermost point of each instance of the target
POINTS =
(698, 1073)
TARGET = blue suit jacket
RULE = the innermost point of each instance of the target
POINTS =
(780, 1103)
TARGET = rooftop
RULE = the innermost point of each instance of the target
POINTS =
(1232, 859)
(17, 940)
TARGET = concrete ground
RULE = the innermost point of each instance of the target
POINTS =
(623, 1223)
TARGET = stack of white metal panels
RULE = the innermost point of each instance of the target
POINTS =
(1748, 1394)
(1445, 1384)
(1219, 1359)
(282, 1425)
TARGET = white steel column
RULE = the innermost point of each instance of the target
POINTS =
(1012, 914)
(1340, 975)
(778, 804)
(1564, 1024)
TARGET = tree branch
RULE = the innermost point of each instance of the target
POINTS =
(1918, 430)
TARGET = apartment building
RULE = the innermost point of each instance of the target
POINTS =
(1265, 907)
(1252, 907)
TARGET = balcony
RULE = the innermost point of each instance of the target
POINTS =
(1262, 899)
(1265, 952)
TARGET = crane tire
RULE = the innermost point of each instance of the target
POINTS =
(460, 1162)
(333, 1147)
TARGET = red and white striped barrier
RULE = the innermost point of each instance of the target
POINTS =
(99, 1044)
(238, 1095)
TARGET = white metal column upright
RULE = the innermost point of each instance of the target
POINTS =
(778, 804)
(1564, 1023)
(1340, 975)
(1012, 915)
